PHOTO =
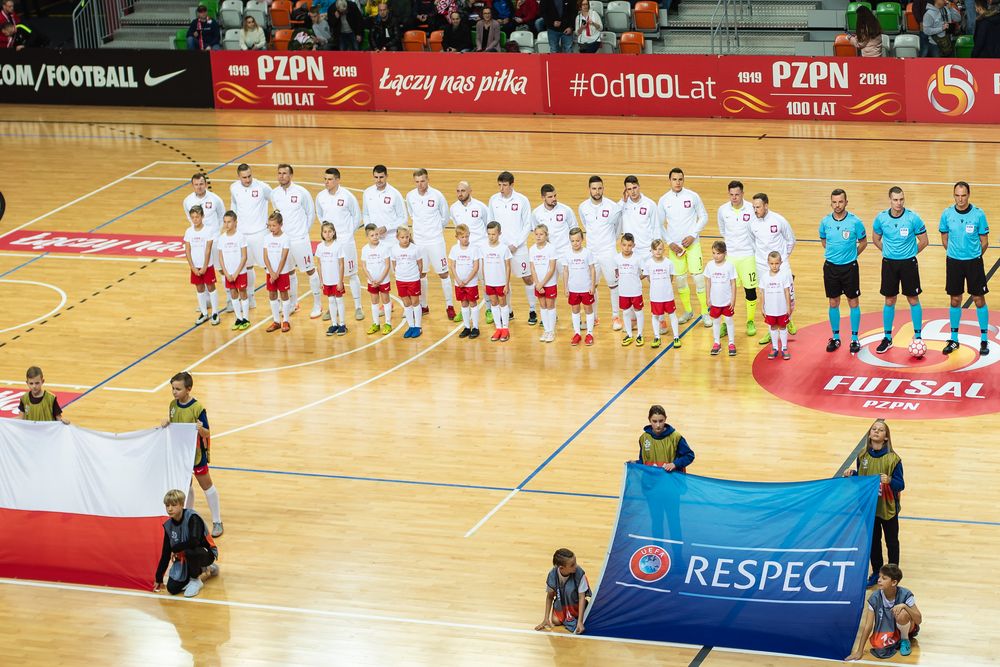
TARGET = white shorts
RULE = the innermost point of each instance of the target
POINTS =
(519, 263)
(350, 259)
(609, 267)
(435, 257)
(301, 254)
(255, 249)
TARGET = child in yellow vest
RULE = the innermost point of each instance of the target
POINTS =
(39, 405)
(661, 445)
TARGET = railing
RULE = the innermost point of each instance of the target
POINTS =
(95, 21)
(726, 21)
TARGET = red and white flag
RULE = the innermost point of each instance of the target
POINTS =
(87, 507)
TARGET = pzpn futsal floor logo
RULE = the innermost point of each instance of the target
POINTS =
(952, 90)
(893, 384)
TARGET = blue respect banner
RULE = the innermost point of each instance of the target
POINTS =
(765, 567)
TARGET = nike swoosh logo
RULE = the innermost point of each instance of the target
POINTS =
(157, 80)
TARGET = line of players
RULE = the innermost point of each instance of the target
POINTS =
(751, 231)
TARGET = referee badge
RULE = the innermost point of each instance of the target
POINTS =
(904, 231)
(970, 229)
(846, 234)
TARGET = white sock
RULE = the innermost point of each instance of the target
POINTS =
(529, 290)
(784, 339)
(244, 308)
(715, 330)
(332, 304)
(340, 310)
(286, 309)
(446, 288)
(212, 496)
(506, 309)
(576, 323)
(317, 291)
(614, 301)
(590, 322)
(387, 309)
(237, 309)
(730, 330)
(213, 298)
(474, 314)
(467, 316)
(423, 293)
(904, 630)
(408, 315)
(497, 318)
(657, 320)
(203, 302)
(638, 322)
(189, 500)
(674, 326)
(251, 284)
(775, 339)
(356, 290)
(627, 321)
(293, 281)
(546, 320)
(376, 311)
(276, 310)
(418, 315)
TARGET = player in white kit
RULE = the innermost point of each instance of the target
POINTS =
(233, 260)
(198, 245)
(771, 231)
(384, 206)
(469, 211)
(659, 271)
(735, 218)
(557, 217)
(545, 259)
(721, 277)
(211, 204)
(376, 263)
(629, 268)
(776, 286)
(429, 212)
(331, 266)
(684, 217)
(513, 211)
(248, 198)
(338, 205)
(640, 218)
(580, 277)
(296, 207)
(602, 220)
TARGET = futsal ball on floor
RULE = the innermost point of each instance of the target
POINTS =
(917, 348)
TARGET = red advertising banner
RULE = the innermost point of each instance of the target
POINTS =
(89, 243)
(458, 82)
(10, 398)
(950, 91)
(614, 85)
(315, 80)
(812, 88)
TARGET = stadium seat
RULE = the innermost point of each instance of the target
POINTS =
(231, 14)
(852, 14)
(886, 45)
(890, 17)
(524, 39)
(609, 42)
(231, 41)
(365, 44)
(180, 40)
(842, 47)
(281, 14)
(542, 44)
(963, 46)
(911, 20)
(281, 39)
(212, 6)
(304, 3)
(598, 6)
(437, 39)
(618, 16)
(906, 46)
(632, 43)
(414, 40)
(258, 10)
(664, 17)
(646, 16)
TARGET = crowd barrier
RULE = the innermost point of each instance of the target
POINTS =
(757, 87)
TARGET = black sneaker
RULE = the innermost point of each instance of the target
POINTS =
(532, 318)
(984, 348)
(473, 333)
(332, 330)
(511, 316)
(855, 347)
(833, 345)
(950, 347)
(884, 346)
(465, 333)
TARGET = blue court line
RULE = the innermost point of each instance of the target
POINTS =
(140, 206)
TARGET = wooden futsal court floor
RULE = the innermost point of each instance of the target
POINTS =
(397, 502)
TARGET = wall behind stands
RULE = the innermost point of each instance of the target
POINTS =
(779, 87)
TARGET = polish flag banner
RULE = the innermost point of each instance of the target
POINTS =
(86, 507)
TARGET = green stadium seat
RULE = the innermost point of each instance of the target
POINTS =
(890, 17)
(365, 43)
(212, 6)
(963, 46)
(852, 14)
(181, 40)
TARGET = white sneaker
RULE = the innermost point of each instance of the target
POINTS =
(359, 314)
(316, 313)
(685, 318)
(217, 529)
(706, 322)
(253, 303)
(213, 570)
(193, 588)
(544, 337)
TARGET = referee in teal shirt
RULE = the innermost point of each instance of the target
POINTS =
(965, 235)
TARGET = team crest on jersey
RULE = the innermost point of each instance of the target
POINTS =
(340, 202)
(687, 203)
(208, 204)
(605, 213)
(430, 202)
(513, 207)
(649, 563)
(386, 200)
(642, 210)
(746, 217)
(254, 193)
(774, 229)
(475, 214)
(559, 217)
(294, 199)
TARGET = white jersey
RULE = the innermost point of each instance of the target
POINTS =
(629, 275)
(296, 207)
(273, 247)
(374, 258)
(660, 274)
(514, 215)
(472, 214)
(404, 262)
(341, 208)
(495, 258)
(230, 249)
(774, 286)
(464, 259)
(683, 214)
(720, 277)
(602, 222)
(249, 203)
(642, 220)
(772, 232)
(429, 212)
(579, 266)
(212, 207)
(559, 219)
(329, 257)
(734, 225)
(384, 208)
(199, 240)
(541, 258)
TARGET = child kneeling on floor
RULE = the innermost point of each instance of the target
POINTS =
(188, 549)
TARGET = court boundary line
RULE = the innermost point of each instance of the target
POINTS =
(57, 290)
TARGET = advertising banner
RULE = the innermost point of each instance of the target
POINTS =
(110, 77)
(93, 243)
(313, 80)
(950, 91)
(764, 567)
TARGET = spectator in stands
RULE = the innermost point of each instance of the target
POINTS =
(940, 23)
(370, 10)
(321, 30)
(919, 8)
(7, 15)
(204, 33)
(443, 10)
(20, 36)
(869, 34)
(525, 14)
(488, 32)
(457, 35)
(347, 23)
(587, 28)
(384, 34)
(503, 13)
(252, 36)
(558, 18)
(423, 16)
(987, 39)
(474, 9)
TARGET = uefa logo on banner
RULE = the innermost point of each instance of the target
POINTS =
(649, 563)
(952, 90)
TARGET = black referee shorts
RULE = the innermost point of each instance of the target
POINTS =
(841, 279)
(896, 272)
(965, 275)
